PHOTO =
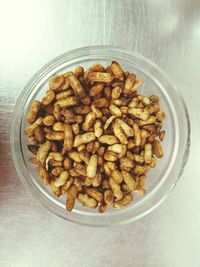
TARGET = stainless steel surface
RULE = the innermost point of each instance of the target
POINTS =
(32, 33)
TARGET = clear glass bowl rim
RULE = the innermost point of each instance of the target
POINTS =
(41, 73)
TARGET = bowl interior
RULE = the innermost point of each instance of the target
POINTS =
(151, 86)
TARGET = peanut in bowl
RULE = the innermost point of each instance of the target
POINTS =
(95, 151)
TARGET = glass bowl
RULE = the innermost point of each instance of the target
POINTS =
(161, 180)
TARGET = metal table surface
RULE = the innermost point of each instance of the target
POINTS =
(32, 33)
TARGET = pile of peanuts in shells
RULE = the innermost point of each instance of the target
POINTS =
(94, 137)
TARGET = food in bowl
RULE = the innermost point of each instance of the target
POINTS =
(94, 137)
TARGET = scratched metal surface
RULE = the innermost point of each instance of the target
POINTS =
(32, 33)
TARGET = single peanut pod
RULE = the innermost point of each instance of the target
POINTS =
(140, 169)
(116, 189)
(76, 85)
(87, 201)
(71, 197)
(85, 157)
(108, 122)
(115, 110)
(49, 120)
(43, 152)
(68, 139)
(55, 190)
(129, 180)
(157, 149)
(96, 89)
(127, 199)
(152, 164)
(126, 162)
(129, 84)
(79, 71)
(94, 193)
(108, 197)
(85, 101)
(145, 100)
(58, 126)
(121, 102)
(29, 130)
(137, 134)
(116, 148)
(97, 111)
(75, 156)
(101, 102)
(67, 185)
(89, 121)
(33, 111)
(102, 208)
(96, 181)
(56, 82)
(53, 135)
(69, 116)
(151, 120)
(48, 98)
(81, 110)
(84, 139)
(64, 94)
(138, 158)
(125, 127)
(67, 163)
(78, 183)
(147, 153)
(61, 180)
(117, 176)
(110, 156)
(116, 92)
(142, 114)
(44, 176)
(73, 172)
(108, 139)
(92, 166)
(117, 70)
(70, 101)
(56, 112)
(99, 77)
(56, 171)
(39, 134)
(118, 132)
